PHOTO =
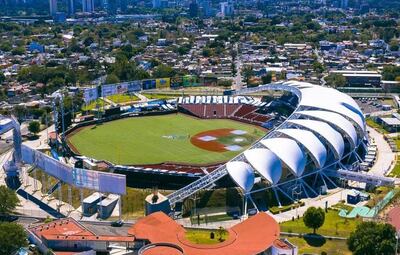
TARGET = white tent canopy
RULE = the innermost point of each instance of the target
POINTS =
(338, 121)
(242, 174)
(314, 146)
(289, 152)
(332, 137)
(266, 163)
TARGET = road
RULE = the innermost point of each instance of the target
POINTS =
(238, 83)
(105, 228)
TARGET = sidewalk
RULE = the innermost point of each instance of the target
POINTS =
(333, 198)
(142, 98)
(385, 156)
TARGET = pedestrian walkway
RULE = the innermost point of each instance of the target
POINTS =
(385, 158)
(335, 196)
(142, 98)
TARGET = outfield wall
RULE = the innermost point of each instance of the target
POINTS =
(77, 177)
(92, 93)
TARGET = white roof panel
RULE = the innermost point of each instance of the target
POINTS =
(266, 163)
(314, 146)
(242, 174)
(289, 153)
(335, 101)
(337, 120)
(333, 138)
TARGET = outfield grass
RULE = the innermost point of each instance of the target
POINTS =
(156, 139)
(123, 98)
(334, 225)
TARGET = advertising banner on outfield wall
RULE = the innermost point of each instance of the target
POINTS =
(134, 86)
(148, 84)
(90, 94)
(77, 177)
(189, 80)
(108, 90)
(163, 83)
(176, 82)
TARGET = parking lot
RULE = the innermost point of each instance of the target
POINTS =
(103, 228)
(370, 104)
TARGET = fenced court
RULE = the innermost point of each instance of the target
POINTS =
(366, 212)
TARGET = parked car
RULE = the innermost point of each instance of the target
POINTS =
(117, 223)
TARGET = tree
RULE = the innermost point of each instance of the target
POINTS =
(5, 46)
(12, 237)
(2, 77)
(225, 83)
(112, 79)
(314, 218)
(247, 73)
(266, 78)
(318, 67)
(372, 238)
(20, 112)
(34, 127)
(336, 80)
(390, 73)
(18, 51)
(8, 200)
(163, 71)
(207, 52)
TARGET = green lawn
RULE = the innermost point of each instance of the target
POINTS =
(331, 247)
(199, 236)
(93, 105)
(156, 139)
(123, 98)
(396, 170)
(161, 96)
(334, 225)
(373, 124)
(397, 141)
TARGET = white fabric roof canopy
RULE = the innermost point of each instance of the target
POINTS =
(334, 139)
(266, 163)
(289, 152)
(337, 120)
(310, 142)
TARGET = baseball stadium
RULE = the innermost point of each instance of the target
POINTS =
(169, 144)
(298, 143)
(293, 141)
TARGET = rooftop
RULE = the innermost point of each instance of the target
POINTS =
(251, 236)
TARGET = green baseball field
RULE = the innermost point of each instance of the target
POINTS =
(168, 138)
